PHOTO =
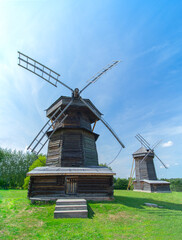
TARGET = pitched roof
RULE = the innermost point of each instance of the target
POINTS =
(63, 101)
(142, 152)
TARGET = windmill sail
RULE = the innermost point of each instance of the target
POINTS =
(52, 77)
(40, 70)
(99, 74)
(39, 140)
(147, 145)
(42, 144)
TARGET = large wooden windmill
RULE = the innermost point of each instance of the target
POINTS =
(146, 178)
(72, 160)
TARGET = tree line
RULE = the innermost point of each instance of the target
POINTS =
(13, 168)
(15, 164)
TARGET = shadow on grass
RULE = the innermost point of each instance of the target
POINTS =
(90, 211)
(138, 203)
(40, 203)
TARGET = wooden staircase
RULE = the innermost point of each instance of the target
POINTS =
(71, 208)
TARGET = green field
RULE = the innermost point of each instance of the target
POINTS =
(124, 218)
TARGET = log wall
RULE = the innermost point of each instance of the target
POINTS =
(72, 148)
(146, 169)
(55, 186)
(151, 187)
(160, 188)
(75, 119)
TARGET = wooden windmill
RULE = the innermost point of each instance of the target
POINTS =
(146, 178)
(72, 160)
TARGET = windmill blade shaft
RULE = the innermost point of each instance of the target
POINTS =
(150, 151)
(104, 122)
(112, 131)
(146, 144)
(141, 141)
(156, 144)
(160, 161)
(91, 109)
(100, 74)
(144, 139)
(40, 70)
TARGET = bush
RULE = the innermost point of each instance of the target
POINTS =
(40, 162)
(121, 183)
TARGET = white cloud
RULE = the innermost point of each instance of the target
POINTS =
(176, 164)
(167, 144)
(26, 150)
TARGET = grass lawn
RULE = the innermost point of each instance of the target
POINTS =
(124, 218)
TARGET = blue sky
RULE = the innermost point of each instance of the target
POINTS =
(143, 94)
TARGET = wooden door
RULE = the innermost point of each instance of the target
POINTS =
(71, 185)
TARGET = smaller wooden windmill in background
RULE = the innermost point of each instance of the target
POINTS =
(146, 178)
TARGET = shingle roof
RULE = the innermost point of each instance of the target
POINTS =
(154, 181)
(70, 171)
(63, 100)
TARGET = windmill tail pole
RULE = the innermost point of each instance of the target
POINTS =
(131, 175)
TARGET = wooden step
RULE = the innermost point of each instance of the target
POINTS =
(71, 214)
(71, 201)
(70, 207)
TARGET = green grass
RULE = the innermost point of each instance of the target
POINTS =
(124, 218)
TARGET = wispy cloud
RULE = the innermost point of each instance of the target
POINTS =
(153, 49)
(167, 144)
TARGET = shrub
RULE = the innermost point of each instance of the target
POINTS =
(40, 162)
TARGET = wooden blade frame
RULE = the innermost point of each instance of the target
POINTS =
(99, 74)
(40, 70)
(42, 133)
(147, 145)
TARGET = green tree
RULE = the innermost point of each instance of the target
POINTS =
(175, 184)
(40, 162)
(104, 165)
(121, 183)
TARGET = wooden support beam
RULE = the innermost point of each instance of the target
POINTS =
(52, 123)
(94, 125)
